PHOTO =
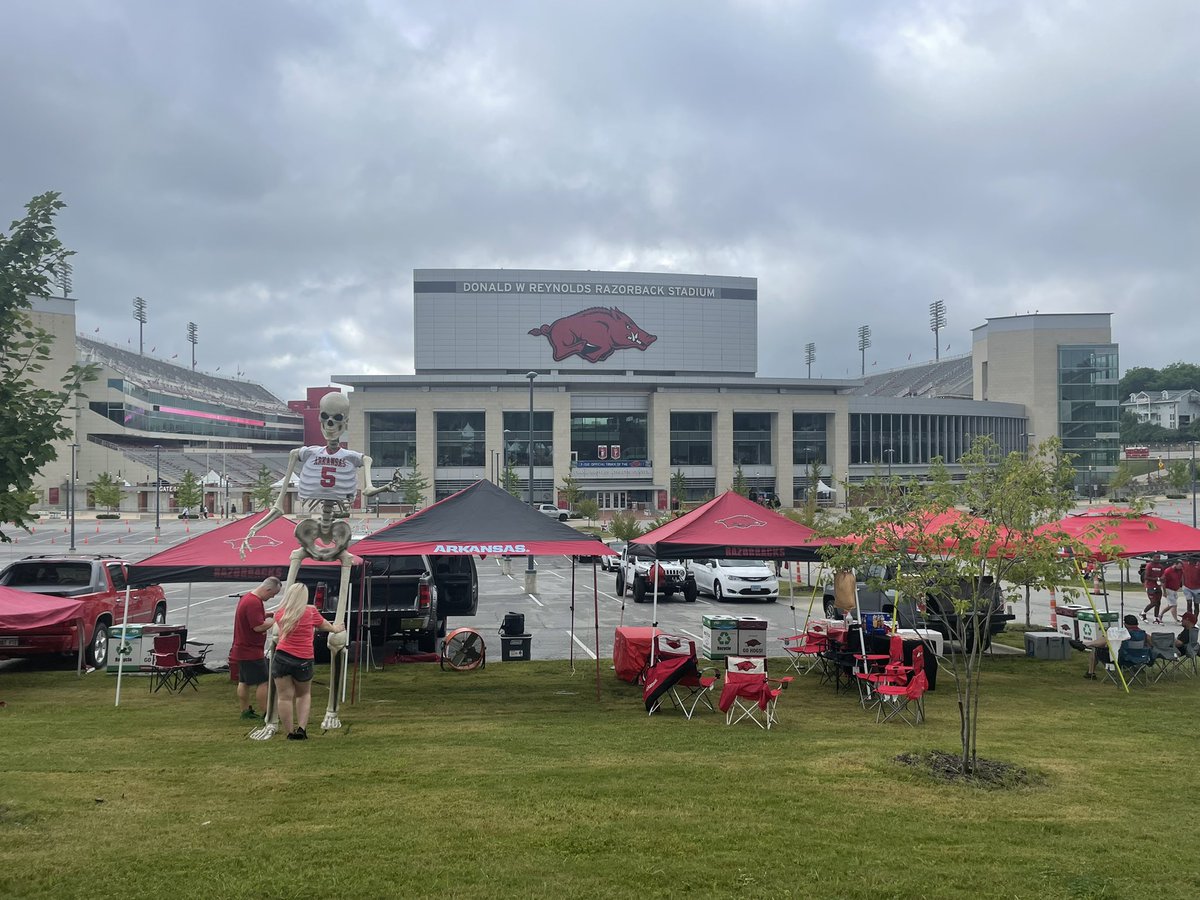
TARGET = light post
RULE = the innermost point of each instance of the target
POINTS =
(157, 490)
(71, 495)
(890, 453)
(1193, 443)
(530, 572)
(847, 497)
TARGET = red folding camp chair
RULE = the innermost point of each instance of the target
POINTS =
(804, 650)
(880, 669)
(905, 701)
(749, 693)
(676, 676)
(169, 670)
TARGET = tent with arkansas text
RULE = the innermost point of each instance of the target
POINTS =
(215, 555)
(1110, 532)
(729, 527)
(480, 520)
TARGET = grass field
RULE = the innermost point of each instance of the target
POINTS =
(515, 781)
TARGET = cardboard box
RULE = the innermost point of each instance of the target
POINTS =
(751, 636)
(718, 636)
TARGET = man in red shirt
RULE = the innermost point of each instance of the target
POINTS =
(1191, 584)
(1152, 579)
(250, 626)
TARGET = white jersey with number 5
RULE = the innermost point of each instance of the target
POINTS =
(329, 476)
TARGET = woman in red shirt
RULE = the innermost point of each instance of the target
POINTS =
(292, 664)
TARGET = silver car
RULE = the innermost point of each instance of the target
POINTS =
(612, 563)
(735, 579)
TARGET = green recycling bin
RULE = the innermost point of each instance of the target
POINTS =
(1093, 625)
(125, 649)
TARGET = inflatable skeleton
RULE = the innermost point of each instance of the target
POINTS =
(329, 476)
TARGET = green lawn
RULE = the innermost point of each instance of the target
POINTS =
(515, 781)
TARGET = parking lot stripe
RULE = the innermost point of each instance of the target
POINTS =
(586, 650)
(535, 600)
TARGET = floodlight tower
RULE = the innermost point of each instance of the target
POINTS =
(810, 353)
(937, 321)
(139, 313)
(864, 341)
(191, 336)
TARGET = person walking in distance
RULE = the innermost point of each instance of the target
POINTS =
(1152, 579)
(292, 664)
(1191, 584)
(1172, 583)
(250, 626)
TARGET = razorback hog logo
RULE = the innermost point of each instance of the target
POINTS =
(741, 520)
(745, 665)
(594, 334)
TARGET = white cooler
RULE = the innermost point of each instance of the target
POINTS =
(933, 638)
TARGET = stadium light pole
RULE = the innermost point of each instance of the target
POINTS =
(864, 341)
(530, 572)
(937, 321)
(139, 313)
(890, 453)
(71, 495)
(192, 339)
(157, 490)
(810, 353)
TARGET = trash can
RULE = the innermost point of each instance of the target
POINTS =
(1091, 627)
(719, 636)
(1068, 620)
(125, 649)
(515, 647)
(752, 636)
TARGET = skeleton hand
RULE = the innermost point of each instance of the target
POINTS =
(338, 641)
(245, 548)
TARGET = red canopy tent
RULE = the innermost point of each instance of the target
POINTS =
(729, 527)
(1113, 532)
(215, 555)
(21, 610)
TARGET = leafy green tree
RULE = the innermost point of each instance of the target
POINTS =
(740, 485)
(588, 508)
(1178, 476)
(1011, 496)
(1121, 479)
(678, 489)
(31, 259)
(262, 491)
(106, 491)
(571, 491)
(509, 480)
(624, 527)
(188, 493)
(414, 486)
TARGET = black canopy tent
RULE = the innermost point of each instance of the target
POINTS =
(483, 520)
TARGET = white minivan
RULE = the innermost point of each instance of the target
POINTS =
(735, 579)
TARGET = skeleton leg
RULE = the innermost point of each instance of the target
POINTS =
(271, 716)
(339, 657)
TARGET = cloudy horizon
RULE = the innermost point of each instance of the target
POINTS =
(275, 171)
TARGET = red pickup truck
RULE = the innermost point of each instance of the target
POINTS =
(98, 582)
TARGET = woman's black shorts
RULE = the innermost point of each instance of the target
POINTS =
(288, 666)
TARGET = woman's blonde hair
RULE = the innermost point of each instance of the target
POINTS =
(291, 609)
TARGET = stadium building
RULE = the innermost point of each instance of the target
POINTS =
(633, 378)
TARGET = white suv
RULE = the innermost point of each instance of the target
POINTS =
(737, 579)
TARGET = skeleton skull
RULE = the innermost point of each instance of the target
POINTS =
(335, 413)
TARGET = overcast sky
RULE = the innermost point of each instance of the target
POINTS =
(274, 171)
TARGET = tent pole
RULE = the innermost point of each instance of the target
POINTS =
(121, 656)
(81, 625)
(654, 611)
(571, 649)
(596, 612)
(187, 615)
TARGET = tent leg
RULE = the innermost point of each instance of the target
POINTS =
(596, 612)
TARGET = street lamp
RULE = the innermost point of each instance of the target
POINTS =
(71, 495)
(1193, 443)
(530, 573)
(157, 490)
(890, 453)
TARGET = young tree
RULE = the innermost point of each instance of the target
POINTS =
(31, 257)
(678, 489)
(589, 509)
(954, 566)
(740, 485)
(1179, 476)
(263, 491)
(415, 487)
(510, 482)
(624, 527)
(1121, 479)
(106, 491)
(571, 492)
(188, 493)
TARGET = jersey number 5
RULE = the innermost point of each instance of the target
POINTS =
(328, 476)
